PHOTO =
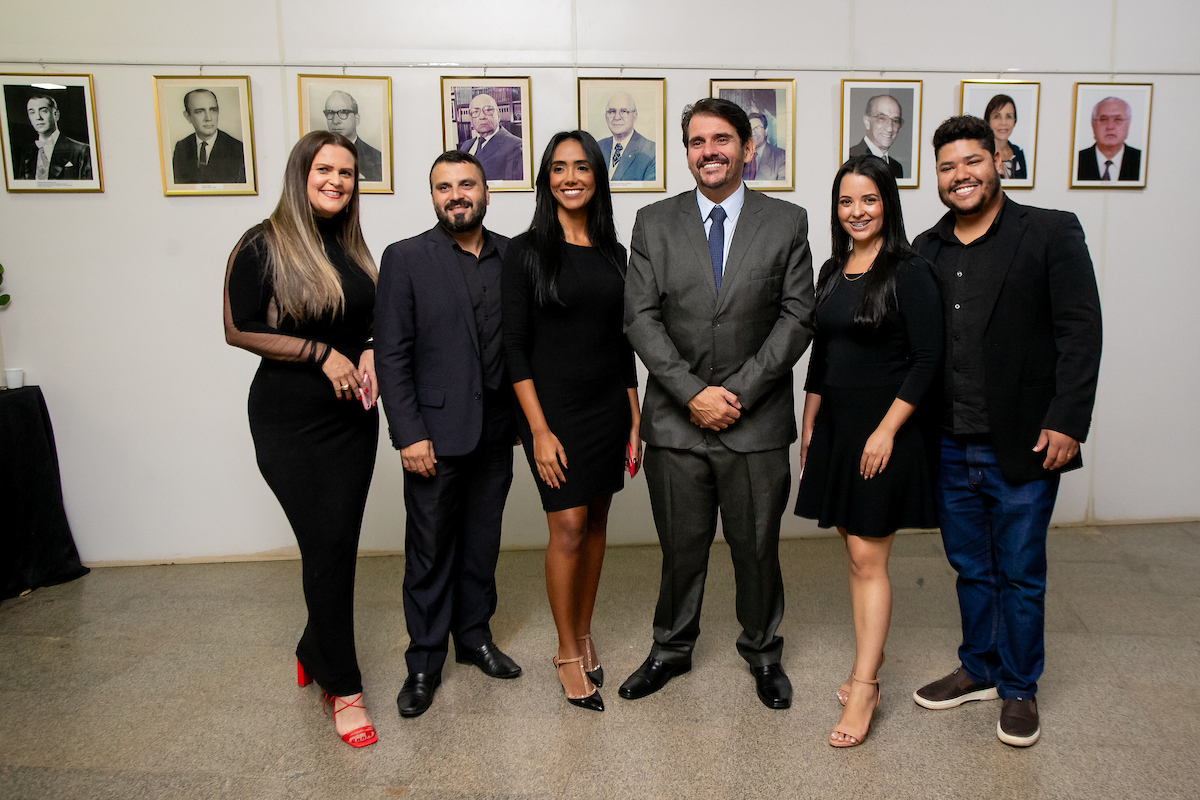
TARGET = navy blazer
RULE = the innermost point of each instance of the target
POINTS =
(1089, 167)
(427, 354)
(1041, 346)
(637, 159)
(226, 162)
(69, 161)
(501, 157)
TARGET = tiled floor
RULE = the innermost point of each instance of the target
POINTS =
(178, 682)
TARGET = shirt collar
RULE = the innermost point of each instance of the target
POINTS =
(48, 144)
(945, 227)
(731, 204)
(489, 241)
(211, 140)
(874, 148)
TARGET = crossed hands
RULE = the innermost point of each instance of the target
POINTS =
(714, 408)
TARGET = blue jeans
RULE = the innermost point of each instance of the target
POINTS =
(995, 537)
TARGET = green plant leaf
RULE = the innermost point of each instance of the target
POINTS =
(3, 299)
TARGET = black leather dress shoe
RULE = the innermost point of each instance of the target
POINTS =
(651, 676)
(489, 659)
(774, 688)
(416, 695)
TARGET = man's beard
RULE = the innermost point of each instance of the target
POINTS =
(461, 219)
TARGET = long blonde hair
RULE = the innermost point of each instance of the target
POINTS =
(306, 283)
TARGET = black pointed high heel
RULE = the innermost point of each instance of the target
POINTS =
(592, 701)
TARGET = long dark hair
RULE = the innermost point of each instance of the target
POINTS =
(894, 248)
(546, 232)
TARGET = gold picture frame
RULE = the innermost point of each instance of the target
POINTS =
(771, 105)
(183, 112)
(1132, 160)
(641, 164)
(507, 143)
(364, 107)
(976, 96)
(904, 150)
(33, 105)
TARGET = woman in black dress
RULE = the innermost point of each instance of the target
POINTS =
(300, 292)
(573, 373)
(876, 352)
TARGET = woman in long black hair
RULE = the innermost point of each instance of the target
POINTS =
(300, 292)
(864, 459)
(574, 377)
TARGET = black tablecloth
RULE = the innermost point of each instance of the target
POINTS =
(36, 548)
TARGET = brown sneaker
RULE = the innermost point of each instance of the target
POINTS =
(1019, 725)
(954, 690)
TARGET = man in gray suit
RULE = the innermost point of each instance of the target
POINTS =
(769, 162)
(718, 305)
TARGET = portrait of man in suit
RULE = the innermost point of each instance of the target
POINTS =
(629, 155)
(718, 305)
(883, 120)
(769, 162)
(1110, 158)
(341, 116)
(500, 152)
(209, 155)
(450, 412)
(53, 155)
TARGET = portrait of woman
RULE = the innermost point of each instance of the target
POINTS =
(574, 377)
(1001, 116)
(864, 460)
(300, 292)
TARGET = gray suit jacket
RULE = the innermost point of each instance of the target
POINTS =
(747, 338)
(637, 159)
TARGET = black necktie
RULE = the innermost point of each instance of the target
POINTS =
(1107, 176)
(716, 243)
(202, 159)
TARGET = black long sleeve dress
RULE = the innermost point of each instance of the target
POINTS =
(581, 365)
(858, 372)
(316, 452)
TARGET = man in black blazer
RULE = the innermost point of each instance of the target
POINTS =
(53, 156)
(341, 116)
(1023, 338)
(500, 152)
(1110, 159)
(210, 155)
(449, 405)
(718, 305)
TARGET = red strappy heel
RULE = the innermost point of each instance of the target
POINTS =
(359, 737)
(302, 677)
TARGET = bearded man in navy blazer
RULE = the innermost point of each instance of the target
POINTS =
(718, 305)
(1023, 339)
(449, 406)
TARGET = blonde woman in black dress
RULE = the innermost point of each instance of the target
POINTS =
(573, 374)
(864, 457)
(300, 292)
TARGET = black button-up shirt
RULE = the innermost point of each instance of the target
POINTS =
(482, 276)
(966, 316)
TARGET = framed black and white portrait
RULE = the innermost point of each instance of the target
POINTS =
(49, 134)
(360, 108)
(770, 103)
(627, 118)
(489, 118)
(1010, 108)
(883, 118)
(1110, 135)
(205, 134)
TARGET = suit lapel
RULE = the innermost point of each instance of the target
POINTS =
(1008, 243)
(693, 229)
(743, 234)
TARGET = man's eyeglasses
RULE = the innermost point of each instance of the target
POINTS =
(1104, 119)
(479, 112)
(884, 119)
(620, 112)
(343, 113)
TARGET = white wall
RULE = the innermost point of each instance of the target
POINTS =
(117, 296)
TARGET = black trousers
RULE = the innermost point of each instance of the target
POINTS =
(687, 488)
(317, 454)
(452, 540)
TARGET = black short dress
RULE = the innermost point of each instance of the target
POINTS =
(581, 364)
(858, 372)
